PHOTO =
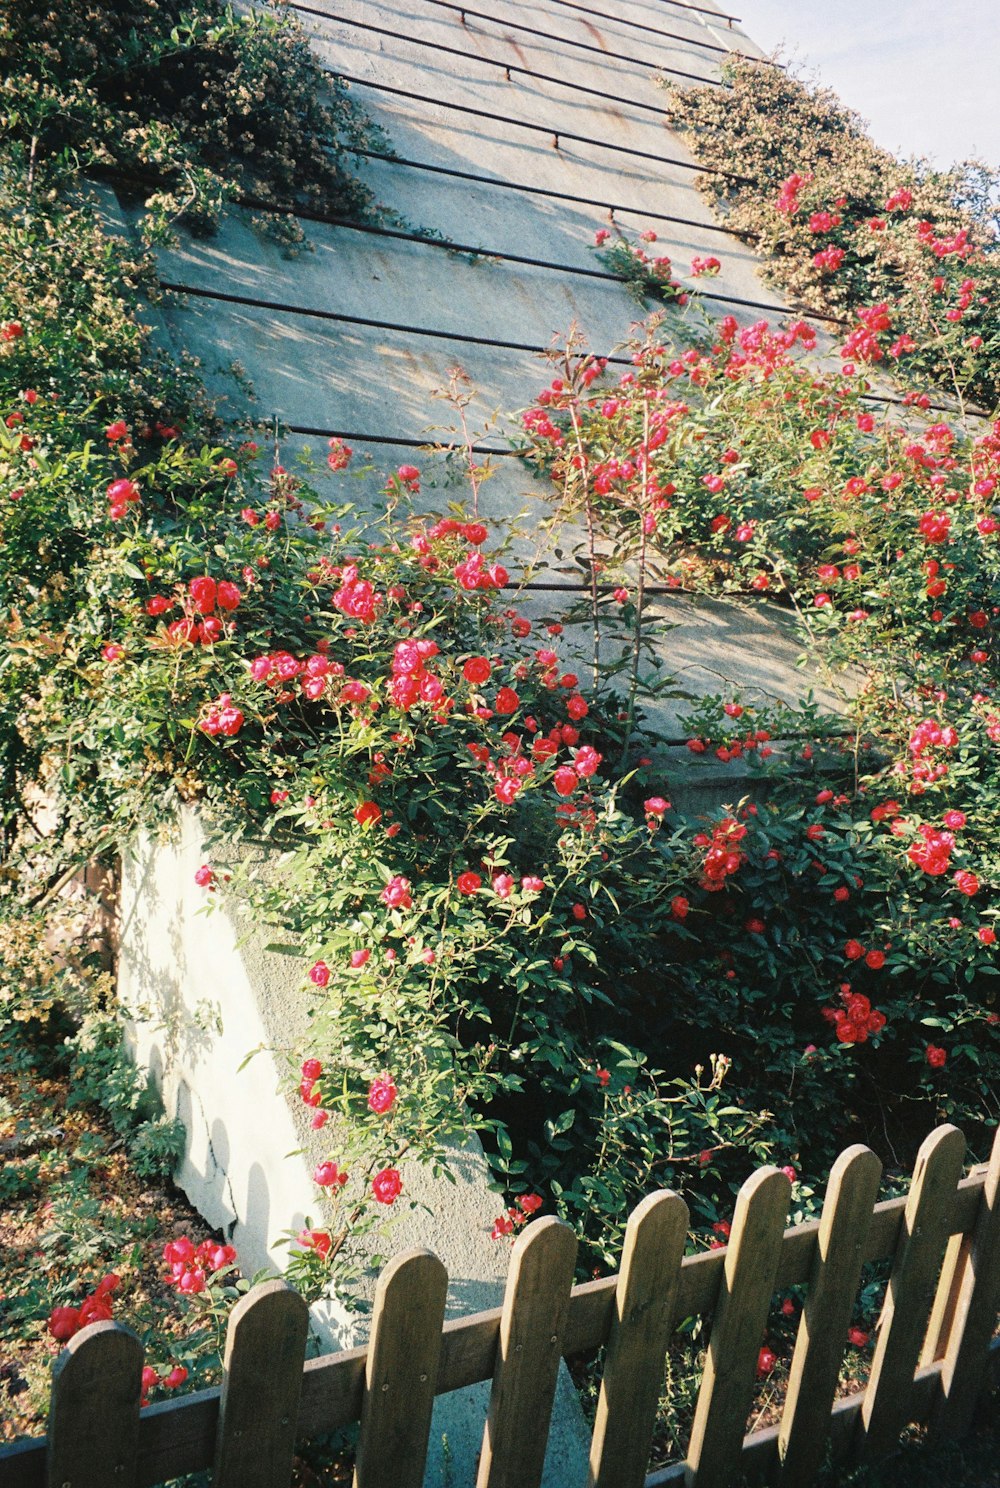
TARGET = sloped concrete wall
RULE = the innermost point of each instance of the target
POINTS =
(430, 309)
(202, 993)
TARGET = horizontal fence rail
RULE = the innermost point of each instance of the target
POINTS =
(934, 1357)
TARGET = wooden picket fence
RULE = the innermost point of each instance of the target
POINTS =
(934, 1356)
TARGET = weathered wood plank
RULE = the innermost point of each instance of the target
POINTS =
(535, 1305)
(178, 1436)
(637, 1344)
(401, 1373)
(93, 1436)
(945, 1298)
(261, 1384)
(910, 1293)
(748, 1281)
(819, 1346)
(975, 1314)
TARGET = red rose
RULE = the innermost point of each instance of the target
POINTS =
(227, 595)
(203, 592)
(317, 1240)
(381, 1095)
(387, 1186)
(766, 1361)
(327, 1174)
(469, 883)
(476, 671)
(63, 1323)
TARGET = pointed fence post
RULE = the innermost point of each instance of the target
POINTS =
(401, 1372)
(745, 1293)
(886, 1407)
(975, 1314)
(637, 1344)
(819, 1346)
(261, 1383)
(535, 1306)
(93, 1432)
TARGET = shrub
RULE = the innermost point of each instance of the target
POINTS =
(843, 225)
(196, 100)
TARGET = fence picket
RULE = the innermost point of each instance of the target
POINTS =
(637, 1344)
(93, 1434)
(926, 1222)
(401, 1372)
(945, 1299)
(745, 1290)
(258, 1406)
(819, 1346)
(975, 1313)
(535, 1305)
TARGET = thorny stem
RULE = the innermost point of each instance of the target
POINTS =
(640, 596)
(470, 458)
(344, 1235)
(30, 186)
(588, 512)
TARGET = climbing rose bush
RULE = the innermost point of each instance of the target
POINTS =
(476, 862)
(902, 254)
(843, 918)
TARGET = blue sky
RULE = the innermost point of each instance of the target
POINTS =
(924, 73)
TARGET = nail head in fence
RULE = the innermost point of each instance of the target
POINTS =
(261, 1384)
(819, 1346)
(401, 1372)
(963, 1368)
(741, 1309)
(637, 1344)
(529, 1350)
(93, 1433)
(926, 1223)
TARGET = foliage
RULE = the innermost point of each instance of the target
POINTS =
(80, 1234)
(199, 101)
(840, 928)
(843, 225)
(103, 1073)
(500, 919)
(647, 276)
